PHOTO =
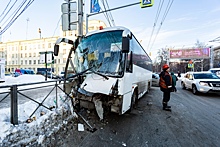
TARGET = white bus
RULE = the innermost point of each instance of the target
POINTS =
(111, 69)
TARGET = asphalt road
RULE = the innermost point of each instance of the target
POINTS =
(194, 121)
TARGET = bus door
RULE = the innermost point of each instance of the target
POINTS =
(127, 82)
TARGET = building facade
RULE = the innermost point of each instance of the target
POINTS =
(25, 54)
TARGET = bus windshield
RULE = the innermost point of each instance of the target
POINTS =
(101, 52)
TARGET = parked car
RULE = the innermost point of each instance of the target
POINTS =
(51, 75)
(204, 82)
(215, 71)
(61, 74)
(155, 79)
(25, 71)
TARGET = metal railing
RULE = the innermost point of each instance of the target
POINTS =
(14, 90)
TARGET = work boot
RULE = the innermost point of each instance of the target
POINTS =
(168, 106)
(165, 107)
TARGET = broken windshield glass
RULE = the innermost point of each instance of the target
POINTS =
(102, 51)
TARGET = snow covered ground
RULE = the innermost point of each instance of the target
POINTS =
(10, 133)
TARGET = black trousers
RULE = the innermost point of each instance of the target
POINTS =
(166, 97)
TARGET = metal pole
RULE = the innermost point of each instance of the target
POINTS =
(14, 105)
(46, 65)
(87, 15)
(211, 57)
(87, 22)
(56, 96)
(202, 65)
(80, 19)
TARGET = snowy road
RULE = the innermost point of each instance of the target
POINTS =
(194, 121)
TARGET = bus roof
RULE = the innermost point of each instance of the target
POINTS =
(107, 29)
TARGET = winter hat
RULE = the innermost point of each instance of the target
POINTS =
(165, 67)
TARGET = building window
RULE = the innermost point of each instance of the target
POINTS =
(29, 62)
(13, 62)
(25, 62)
(70, 33)
(49, 45)
(34, 61)
(29, 54)
(64, 33)
(43, 46)
(64, 60)
(12, 55)
(21, 62)
(64, 51)
(38, 61)
(25, 47)
(21, 56)
(25, 55)
(34, 54)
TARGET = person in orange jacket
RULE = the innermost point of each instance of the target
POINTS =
(166, 86)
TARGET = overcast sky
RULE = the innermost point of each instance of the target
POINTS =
(184, 24)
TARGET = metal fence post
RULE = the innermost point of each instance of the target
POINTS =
(14, 105)
(56, 96)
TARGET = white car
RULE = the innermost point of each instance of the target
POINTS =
(155, 79)
(215, 71)
(204, 82)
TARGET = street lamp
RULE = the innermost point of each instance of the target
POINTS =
(39, 30)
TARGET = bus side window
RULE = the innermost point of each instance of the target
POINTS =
(129, 64)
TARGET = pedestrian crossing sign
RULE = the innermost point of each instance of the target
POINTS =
(190, 65)
(146, 3)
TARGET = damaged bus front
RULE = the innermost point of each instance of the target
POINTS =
(107, 71)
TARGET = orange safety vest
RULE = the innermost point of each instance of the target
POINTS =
(162, 81)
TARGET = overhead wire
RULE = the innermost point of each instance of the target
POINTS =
(8, 11)
(15, 11)
(163, 19)
(16, 15)
(106, 14)
(111, 17)
(57, 25)
(5, 8)
(155, 22)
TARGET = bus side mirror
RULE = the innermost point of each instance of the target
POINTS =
(129, 65)
(56, 50)
(125, 44)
